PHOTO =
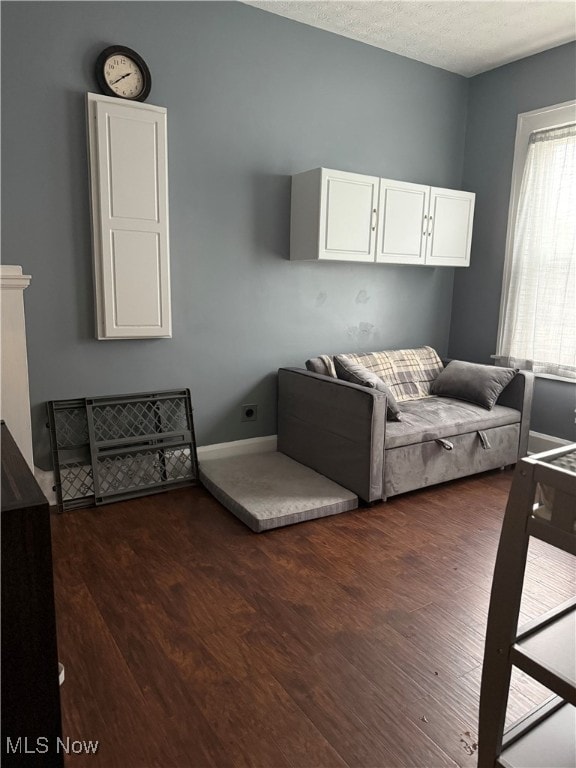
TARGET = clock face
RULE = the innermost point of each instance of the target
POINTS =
(123, 76)
(123, 73)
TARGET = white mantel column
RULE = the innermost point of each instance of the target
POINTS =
(14, 390)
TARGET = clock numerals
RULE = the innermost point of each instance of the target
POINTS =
(123, 76)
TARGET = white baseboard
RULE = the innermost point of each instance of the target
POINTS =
(538, 442)
(45, 478)
(238, 447)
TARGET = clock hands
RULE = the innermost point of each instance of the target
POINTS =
(121, 78)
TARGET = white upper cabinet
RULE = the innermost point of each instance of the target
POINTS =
(450, 220)
(334, 216)
(350, 217)
(402, 222)
(129, 184)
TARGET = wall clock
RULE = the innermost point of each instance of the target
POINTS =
(123, 73)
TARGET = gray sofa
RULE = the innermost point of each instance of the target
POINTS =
(340, 429)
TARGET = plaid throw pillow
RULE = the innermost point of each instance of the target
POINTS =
(408, 372)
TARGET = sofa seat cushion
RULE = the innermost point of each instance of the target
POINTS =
(432, 418)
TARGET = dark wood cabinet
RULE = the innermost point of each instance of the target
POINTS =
(31, 720)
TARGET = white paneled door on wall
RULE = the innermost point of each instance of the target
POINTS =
(128, 159)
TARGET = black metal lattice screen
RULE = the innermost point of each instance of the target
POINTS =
(108, 448)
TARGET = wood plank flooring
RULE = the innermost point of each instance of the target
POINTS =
(352, 641)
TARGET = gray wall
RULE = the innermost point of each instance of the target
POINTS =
(495, 100)
(251, 98)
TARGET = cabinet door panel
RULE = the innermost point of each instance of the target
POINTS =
(136, 280)
(402, 223)
(348, 223)
(133, 163)
(450, 229)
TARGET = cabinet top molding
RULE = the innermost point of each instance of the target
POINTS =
(325, 170)
(91, 97)
(11, 277)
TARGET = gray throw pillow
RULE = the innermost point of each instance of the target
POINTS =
(473, 382)
(322, 364)
(358, 374)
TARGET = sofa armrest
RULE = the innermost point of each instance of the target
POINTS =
(333, 427)
(518, 394)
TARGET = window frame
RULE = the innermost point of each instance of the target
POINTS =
(553, 116)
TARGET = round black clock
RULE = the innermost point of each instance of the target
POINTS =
(123, 73)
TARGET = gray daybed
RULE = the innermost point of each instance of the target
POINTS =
(456, 419)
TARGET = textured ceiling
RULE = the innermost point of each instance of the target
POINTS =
(462, 36)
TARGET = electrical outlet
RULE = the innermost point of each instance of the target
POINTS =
(249, 412)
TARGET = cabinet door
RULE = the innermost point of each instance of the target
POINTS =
(348, 216)
(402, 222)
(130, 218)
(449, 237)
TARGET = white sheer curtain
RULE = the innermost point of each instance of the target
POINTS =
(538, 321)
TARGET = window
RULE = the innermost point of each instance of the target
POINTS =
(538, 312)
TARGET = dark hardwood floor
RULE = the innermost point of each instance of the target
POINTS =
(355, 640)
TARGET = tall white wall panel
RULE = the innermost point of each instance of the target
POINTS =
(128, 157)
